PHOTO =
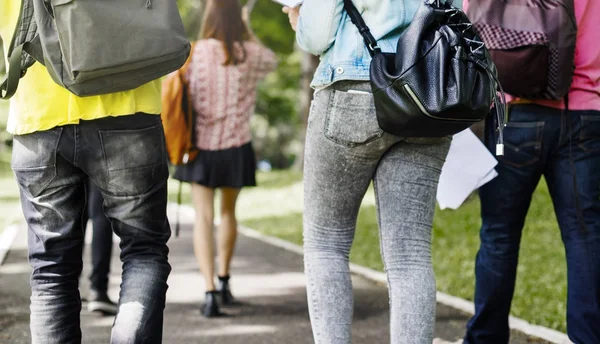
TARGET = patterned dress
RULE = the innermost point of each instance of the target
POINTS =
(224, 98)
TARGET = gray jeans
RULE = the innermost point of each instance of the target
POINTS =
(126, 158)
(345, 150)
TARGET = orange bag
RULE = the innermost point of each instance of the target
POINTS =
(177, 117)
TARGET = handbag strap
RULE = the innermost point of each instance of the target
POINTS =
(364, 30)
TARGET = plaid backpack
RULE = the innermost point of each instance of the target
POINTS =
(93, 47)
(532, 43)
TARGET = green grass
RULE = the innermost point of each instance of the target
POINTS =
(540, 295)
(275, 208)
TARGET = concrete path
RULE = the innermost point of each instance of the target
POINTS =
(268, 280)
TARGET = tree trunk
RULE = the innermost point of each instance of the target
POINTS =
(250, 4)
(309, 65)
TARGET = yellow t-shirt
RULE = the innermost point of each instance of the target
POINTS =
(40, 104)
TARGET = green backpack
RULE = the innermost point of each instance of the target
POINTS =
(93, 47)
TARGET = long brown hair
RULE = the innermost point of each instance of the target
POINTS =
(223, 21)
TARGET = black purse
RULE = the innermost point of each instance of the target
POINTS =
(440, 81)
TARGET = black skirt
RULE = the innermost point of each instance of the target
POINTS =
(227, 168)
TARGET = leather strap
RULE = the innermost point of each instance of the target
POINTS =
(364, 30)
(177, 222)
(186, 97)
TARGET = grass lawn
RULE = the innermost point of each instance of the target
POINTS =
(275, 208)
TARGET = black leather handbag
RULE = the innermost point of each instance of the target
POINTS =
(440, 81)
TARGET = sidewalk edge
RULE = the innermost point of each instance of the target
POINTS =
(463, 305)
(6, 240)
(378, 277)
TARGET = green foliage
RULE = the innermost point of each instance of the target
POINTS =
(272, 27)
(278, 94)
(191, 14)
(268, 23)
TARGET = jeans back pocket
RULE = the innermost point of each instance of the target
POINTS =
(523, 142)
(351, 119)
(34, 160)
(135, 160)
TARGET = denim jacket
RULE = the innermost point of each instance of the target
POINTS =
(325, 29)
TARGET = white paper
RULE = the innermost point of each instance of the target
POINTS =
(289, 3)
(488, 178)
(469, 166)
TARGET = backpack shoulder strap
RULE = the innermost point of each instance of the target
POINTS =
(24, 50)
(11, 82)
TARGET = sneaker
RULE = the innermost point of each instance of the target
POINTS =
(99, 302)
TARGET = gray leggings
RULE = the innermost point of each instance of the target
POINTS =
(345, 151)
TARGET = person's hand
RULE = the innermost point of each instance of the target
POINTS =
(293, 14)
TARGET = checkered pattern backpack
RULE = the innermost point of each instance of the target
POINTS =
(532, 43)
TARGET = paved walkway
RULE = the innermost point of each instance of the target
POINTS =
(267, 279)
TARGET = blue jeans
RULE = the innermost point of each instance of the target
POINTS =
(125, 157)
(541, 141)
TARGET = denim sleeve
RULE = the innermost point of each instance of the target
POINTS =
(318, 24)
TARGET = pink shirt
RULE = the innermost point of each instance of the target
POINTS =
(224, 97)
(585, 89)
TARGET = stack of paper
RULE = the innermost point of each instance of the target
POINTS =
(469, 166)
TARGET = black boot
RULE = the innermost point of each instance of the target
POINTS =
(225, 292)
(211, 307)
(99, 302)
